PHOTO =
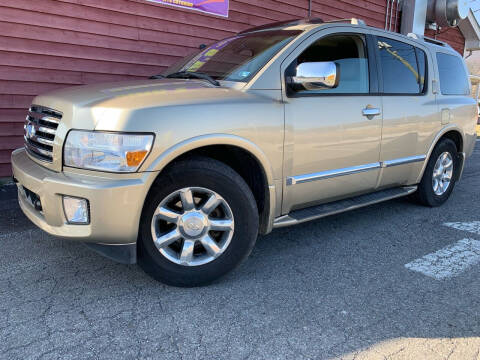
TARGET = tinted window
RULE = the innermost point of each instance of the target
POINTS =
(453, 78)
(399, 67)
(422, 69)
(349, 53)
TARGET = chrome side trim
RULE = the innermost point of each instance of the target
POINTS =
(402, 161)
(299, 179)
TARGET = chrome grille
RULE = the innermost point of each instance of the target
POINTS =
(39, 131)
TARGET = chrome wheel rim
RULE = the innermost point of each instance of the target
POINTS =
(192, 226)
(442, 173)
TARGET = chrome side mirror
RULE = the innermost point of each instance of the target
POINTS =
(316, 75)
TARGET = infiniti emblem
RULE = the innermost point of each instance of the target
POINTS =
(30, 130)
(193, 226)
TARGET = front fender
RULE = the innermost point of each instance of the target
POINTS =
(161, 161)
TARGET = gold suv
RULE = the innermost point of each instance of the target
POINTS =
(275, 126)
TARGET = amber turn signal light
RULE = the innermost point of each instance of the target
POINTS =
(134, 158)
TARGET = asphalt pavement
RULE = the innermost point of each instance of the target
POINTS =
(391, 281)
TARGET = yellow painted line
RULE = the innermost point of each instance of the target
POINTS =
(478, 130)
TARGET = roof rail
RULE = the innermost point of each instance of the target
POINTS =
(306, 21)
(353, 21)
(285, 23)
(435, 41)
(428, 40)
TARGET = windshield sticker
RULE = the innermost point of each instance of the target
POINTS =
(244, 74)
(216, 7)
(198, 61)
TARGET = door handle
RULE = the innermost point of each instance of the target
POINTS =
(370, 112)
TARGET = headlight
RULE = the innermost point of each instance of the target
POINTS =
(106, 151)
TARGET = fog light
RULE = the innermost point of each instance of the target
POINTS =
(76, 210)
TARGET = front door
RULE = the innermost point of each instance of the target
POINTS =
(332, 136)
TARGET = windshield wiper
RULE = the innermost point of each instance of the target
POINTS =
(195, 75)
(154, 77)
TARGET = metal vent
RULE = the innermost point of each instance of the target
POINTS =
(39, 131)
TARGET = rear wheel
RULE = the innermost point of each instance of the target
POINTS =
(438, 179)
(199, 222)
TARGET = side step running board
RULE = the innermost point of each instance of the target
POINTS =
(319, 211)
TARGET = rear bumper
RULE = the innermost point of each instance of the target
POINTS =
(116, 201)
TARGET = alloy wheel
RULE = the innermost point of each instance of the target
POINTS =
(192, 226)
(442, 173)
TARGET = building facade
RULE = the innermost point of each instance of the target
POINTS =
(50, 44)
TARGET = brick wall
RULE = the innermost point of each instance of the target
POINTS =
(49, 44)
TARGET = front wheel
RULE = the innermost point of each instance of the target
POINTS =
(199, 222)
(439, 178)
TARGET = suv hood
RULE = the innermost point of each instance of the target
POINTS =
(86, 106)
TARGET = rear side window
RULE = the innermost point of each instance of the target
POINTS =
(422, 69)
(453, 78)
(401, 72)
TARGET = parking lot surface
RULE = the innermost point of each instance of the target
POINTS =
(390, 281)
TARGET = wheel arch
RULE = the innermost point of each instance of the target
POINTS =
(241, 155)
(451, 132)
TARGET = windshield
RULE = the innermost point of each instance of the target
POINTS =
(237, 58)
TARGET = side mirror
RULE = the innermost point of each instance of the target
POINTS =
(316, 76)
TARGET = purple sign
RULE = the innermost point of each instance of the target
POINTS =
(216, 7)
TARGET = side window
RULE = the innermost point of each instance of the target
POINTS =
(422, 69)
(453, 78)
(400, 70)
(349, 52)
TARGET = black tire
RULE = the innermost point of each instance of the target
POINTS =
(216, 176)
(425, 194)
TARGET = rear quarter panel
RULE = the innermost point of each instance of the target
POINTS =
(455, 113)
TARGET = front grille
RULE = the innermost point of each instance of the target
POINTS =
(39, 131)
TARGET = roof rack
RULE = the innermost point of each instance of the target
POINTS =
(285, 23)
(306, 21)
(435, 41)
(352, 21)
(428, 40)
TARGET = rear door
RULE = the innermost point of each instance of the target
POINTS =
(410, 113)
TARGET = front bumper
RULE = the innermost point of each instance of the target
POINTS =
(116, 201)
